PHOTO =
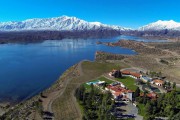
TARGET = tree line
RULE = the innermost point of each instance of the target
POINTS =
(96, 105)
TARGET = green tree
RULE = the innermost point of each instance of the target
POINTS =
(148, 84)
(137, 92)
(148, 109)
(118, 74)
(168, 84)
(174, 85)
(79, 93)
(175, 117)
(168, 109)
(104, 85)
(149, 117)
(108, 98)
(164, 85)
(145, 97)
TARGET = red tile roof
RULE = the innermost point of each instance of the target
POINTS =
(118, 88)
(126, 72)
(117, 93)
(152, 95)
(158, 81)
(136, 74)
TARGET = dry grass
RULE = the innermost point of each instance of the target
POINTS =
(145, 62)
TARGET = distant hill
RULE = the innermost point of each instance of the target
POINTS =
(37, 36)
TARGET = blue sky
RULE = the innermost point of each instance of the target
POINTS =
(127, 13)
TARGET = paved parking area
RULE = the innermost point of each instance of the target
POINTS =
(131, 110)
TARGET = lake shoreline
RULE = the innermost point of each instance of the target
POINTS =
(134, 60)
(113, 57)
(35, 66)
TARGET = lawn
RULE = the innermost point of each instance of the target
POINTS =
(141, 109)
(128, 82)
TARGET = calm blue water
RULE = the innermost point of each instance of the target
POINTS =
(27, 69)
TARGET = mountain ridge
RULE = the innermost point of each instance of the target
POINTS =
(66, 23)
(56, 23)
(161, 25)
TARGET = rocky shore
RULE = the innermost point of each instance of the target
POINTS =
(139, 47)
(103, 56)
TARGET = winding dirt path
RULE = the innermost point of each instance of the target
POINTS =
(52, 96)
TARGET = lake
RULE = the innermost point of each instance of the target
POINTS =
(27, 69)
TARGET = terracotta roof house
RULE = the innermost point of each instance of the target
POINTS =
(158, 82)
(126, 72)
(134, 75)
(119, 92)
(151, 95)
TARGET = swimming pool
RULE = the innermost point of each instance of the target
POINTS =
(93, 82)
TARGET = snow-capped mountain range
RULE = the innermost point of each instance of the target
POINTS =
(161, 25)
(73, 23)
(57, 23)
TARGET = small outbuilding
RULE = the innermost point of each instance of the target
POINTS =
(158, 82)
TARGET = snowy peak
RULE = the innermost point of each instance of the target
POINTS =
(56, 23)
(161, 25)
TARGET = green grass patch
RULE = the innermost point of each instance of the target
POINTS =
(141, 109)
(130, 119)
(128, 82)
